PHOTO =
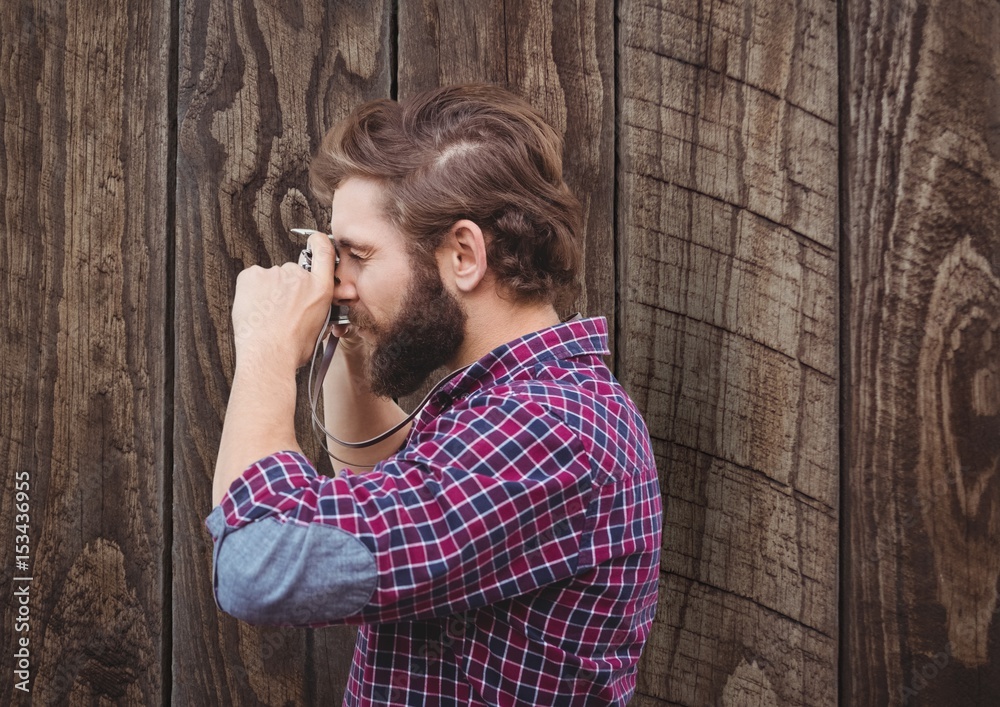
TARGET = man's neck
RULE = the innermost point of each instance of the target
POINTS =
(493, 322)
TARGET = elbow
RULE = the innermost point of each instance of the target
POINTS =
(280, 573)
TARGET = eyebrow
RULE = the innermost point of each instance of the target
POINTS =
(351, 244)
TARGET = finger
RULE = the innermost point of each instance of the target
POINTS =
(246, 272)
(291, 270)
(324, 255)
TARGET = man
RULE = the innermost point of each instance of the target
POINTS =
(504, 546)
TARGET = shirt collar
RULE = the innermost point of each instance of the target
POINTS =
(569, 339)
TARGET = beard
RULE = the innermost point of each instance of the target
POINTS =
(426, 334)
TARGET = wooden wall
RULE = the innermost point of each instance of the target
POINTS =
(921, 206)
(728, 255)
(793, 227)
(87, 348)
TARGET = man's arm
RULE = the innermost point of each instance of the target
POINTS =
(277, 314)
(259, 421)
(477, 529)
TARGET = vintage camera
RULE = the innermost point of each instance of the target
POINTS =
(338, 315)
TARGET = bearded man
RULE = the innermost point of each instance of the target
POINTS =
(503, 546)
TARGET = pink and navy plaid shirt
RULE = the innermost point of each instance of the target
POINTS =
(507, 554)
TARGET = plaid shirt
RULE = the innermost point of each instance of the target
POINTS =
(515, 536)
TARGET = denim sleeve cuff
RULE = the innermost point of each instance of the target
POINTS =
(274, 572)
(271, 564)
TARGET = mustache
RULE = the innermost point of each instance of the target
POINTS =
(361, 319)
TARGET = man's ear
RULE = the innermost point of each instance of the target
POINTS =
(463, 255)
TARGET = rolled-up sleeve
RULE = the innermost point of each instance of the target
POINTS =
(274, 571)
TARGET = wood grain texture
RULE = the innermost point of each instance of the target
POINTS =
(922, 219)
(83, 155)
(727, 319)
(559, 55)
(728, 274)
(259, 85)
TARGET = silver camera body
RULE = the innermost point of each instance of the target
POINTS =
(338, 315)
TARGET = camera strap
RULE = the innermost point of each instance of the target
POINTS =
(314, 391)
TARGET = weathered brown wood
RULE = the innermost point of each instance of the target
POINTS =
(728, 338)
(259, 84)
(727, 323)
(922, 442)
(83, 273)
(559, 55)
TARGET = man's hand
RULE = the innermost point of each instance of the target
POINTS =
(278, 312)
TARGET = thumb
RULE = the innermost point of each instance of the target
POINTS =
(324, 256)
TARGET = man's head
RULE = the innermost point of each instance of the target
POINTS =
(399, 305)
(468, 170)
(473, 152)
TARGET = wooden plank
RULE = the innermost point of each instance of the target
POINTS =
(776, 662)
(728, 269)
(922, 215)
(559, 55)
(259, 85)
(83, 272)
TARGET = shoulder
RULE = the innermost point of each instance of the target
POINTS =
(501, 433)
(585, 411)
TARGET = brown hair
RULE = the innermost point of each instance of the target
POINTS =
(473, 152)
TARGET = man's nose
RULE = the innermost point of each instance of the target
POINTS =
(344, 292)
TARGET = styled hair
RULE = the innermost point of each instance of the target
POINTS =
(472, 151)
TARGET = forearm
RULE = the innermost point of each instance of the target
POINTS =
(353, 414)
(260, 420)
